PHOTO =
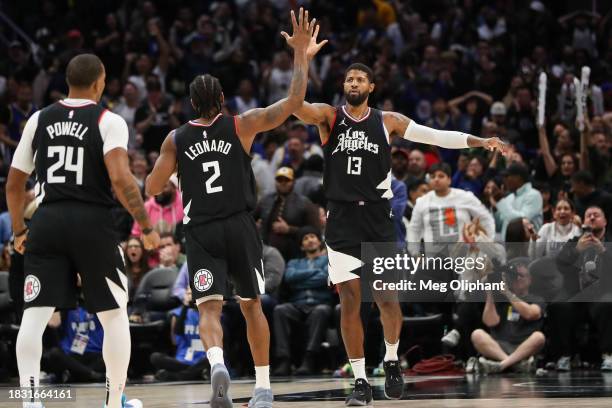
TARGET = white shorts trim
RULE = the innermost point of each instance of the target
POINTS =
(201, 300)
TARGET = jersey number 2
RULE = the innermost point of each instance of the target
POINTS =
(214, 165)
(65, 159)
(354, 165)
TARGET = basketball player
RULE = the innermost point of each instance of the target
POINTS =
(211, 154)
(357, 182)
(78, 151)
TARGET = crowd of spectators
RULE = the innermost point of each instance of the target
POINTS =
(463, 65)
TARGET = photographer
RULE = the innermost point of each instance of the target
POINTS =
(515, 324)
(584, 263)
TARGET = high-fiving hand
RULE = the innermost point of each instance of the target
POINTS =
(304, 38)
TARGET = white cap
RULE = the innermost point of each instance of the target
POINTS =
(498, 108)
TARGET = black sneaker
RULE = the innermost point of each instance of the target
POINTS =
(361, 395)
(394, 381)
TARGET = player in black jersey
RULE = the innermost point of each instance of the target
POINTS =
(78, 151)
(211, 155)
(357, 183)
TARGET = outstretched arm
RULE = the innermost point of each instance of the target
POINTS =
(304, 44)
(164, 167)
(320, 114)
(398, 124)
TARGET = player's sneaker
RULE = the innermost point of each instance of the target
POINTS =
(361, 395)
(133, 403)
(606, 364)
(564, 364)
(262, 398)
(220, 383)
(394, 381)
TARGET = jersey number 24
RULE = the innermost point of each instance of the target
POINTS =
(66, 160)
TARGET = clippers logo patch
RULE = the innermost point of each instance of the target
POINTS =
(31, 288)
(203, 280)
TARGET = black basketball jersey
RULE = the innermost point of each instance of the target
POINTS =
(69, 156)
(215, 173)
(357, 158)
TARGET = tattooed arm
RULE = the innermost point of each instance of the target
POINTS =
(305, 46)
(128, 193)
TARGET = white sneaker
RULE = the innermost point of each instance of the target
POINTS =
(452, 338)
(564, 364)
(606, 364)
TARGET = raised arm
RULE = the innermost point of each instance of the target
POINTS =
(164, 167)
(398, 124)
(549, 160)
(305, 46)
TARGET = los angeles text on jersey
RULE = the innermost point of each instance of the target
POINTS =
(74, 129)
(355, 140)
(220, 146)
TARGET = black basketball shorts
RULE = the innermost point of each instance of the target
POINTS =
(67, 238)
(225, 251)
(348, 225)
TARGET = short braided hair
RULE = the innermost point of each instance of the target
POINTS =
(205, 92)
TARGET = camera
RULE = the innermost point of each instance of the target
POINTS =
(507, 272)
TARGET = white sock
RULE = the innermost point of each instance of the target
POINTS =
(358, 365)
(116, 353)
(262, 377)
(215, 356)
(29, 347)
(391, 353)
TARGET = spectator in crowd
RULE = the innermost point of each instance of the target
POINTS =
(471, 179)
(136, 264)
(126, 108)
(293, 153)
(515, 325)
(584, 262)
(519, 234)
(189, 362)
(156, 116)
(165, 210)
(557, 175)
(14, 117)
(308, 305)
(416, 189)
(244, 100)
(311, 182)
(521, 118)
(169, 256)
(522, 201)
(283, 213)
(468, 309)
(399, 163)
(440, 215)
(553, 235)
(417, 166)
(587, 194)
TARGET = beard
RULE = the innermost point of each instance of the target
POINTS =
(356, 100)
